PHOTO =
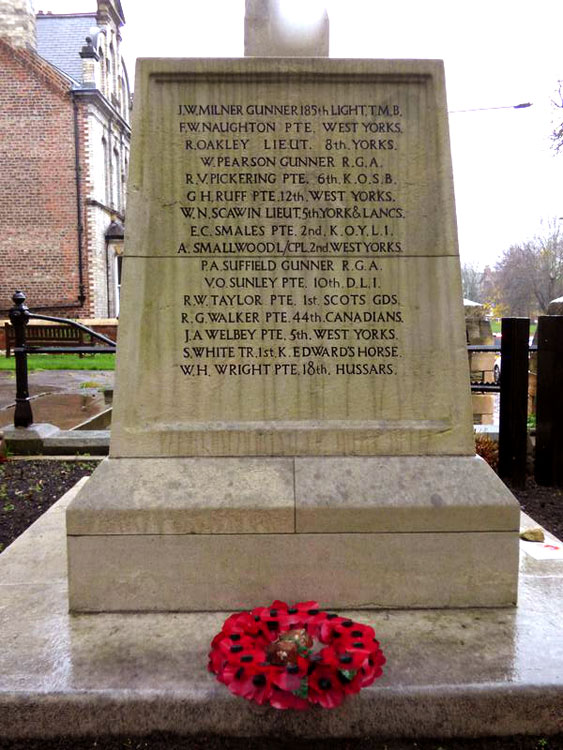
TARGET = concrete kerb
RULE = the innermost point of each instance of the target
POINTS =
(50, 440)
(95, 442)
(472, 672)
(53, 384)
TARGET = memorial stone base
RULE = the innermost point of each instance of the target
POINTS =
(197, 534)
(302, 341)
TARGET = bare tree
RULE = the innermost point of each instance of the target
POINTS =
(530, 275)
(512, 283)
(557, 134)
(548, 279)
(471, 282)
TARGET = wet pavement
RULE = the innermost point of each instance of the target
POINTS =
(64, 398)
(450, 672)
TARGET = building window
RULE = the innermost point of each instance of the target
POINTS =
(106, 173)
(118, 269)
(116, 179)
(113, 79)
(103, 71)
(109, 74)
(124, 185)
(122, 97)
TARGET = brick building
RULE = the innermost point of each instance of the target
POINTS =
(64, 152)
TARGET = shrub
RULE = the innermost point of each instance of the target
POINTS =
(487, 448)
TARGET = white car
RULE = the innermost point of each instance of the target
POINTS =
(496, 366)
(496, 370)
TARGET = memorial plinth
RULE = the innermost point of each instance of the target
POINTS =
(292, 410)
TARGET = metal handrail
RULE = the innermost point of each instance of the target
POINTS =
(73, 324)
(19, 318)
(476, 386)
(494, 347)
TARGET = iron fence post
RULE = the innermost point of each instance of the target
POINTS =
(513, 417)
(19, 316)
(548, 467)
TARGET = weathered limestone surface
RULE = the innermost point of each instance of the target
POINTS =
(457, 672)
(29, 439)
(187, 496)
(337, 331)
(293, 495)
(206, 533)
(413, 494)
(268, 34)
(202, 572)
(292, 413)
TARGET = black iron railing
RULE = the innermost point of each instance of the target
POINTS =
(513, 387)
(19, 318)
(548, 466)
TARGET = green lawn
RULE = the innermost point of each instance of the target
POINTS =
(496, 325)
(62, 362)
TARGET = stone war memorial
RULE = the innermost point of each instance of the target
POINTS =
(292, 416)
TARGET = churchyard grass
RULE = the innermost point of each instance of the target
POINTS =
(62, 362)
(496, 324)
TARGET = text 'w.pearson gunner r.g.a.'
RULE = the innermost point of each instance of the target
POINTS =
(292, 379)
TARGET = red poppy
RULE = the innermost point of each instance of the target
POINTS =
(344, 629)
(373, 669)
(284, 700)
(329, 626)
(253, 685)
(325, 688)
(216, 662)
(235, 643)
(239, 623)
(267, 655)
(351, 660)
(347, 666)
(270, 620)
(303, 614)
(291, 677)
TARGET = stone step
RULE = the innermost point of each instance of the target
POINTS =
(464, 672)
(46, 439)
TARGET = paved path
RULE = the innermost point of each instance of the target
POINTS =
(59, 395)
(458, 672)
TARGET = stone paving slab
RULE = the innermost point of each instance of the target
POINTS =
(93, 442)
(472, 672)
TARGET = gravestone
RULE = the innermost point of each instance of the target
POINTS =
(292, 413)
(481, 364)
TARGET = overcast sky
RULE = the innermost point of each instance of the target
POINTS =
(497, 53)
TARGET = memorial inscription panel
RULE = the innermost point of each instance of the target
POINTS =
(292, 372)
(291, 235)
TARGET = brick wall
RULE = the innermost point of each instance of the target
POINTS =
(38, 215)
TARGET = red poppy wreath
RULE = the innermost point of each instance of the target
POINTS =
(295, 656)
